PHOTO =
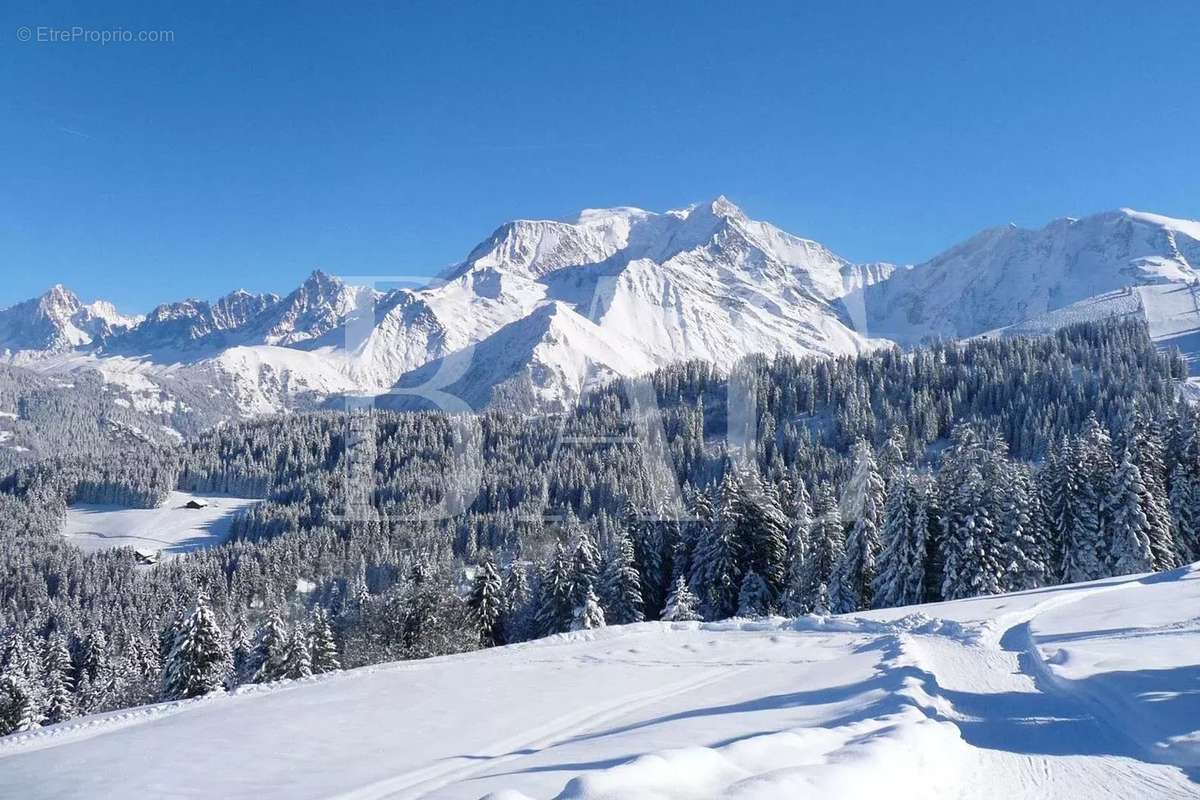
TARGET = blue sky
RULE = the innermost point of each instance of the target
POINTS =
(389, 139)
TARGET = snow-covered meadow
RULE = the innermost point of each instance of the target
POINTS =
(1085, 691)
(171, 528)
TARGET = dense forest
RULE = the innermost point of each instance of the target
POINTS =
(790, 486)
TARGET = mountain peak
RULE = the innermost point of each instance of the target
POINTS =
(720, 207)
(60, 296)
(321, 279)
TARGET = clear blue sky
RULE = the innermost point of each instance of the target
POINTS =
(389, 139)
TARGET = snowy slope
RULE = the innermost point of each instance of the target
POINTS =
(1171, 312)
(1087, 691)
(172, 528)
(1004, 275)
(539, 361)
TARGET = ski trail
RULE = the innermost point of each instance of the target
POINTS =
(999, 679)
(418, 783)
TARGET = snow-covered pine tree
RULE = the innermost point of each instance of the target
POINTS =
(1089, 460)
(241, 651)
(892, 456)
(717, 569)
(269, 659)
(585, 567)
(1185, 511)
(487, 602)
(921, 541)
(1057, 482)
(519, 610)
(1148, 452)
(166, 636)
(298, 660)
(862, 508)
(199, 660)
(620, 584)
(555, 609)
(95, 663)
(650, 556)
(754, 598)
(798, 509)
(968, 525)
(896, 561)
(973, 556)
(682, 605)
(324, 647)
(824, 552)
(588, 614)
(1128, 527)
(18, 706)
(58, 684)
(703, 514)
(763, 532)
(1021, 537)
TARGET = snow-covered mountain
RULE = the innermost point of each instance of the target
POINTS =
(1005, 275)
(58, 321)
(1083, 691)
(543, 308)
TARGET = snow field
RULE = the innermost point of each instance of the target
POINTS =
(1085, 691)
(170, 528)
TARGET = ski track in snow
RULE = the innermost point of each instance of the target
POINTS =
(1018, 683)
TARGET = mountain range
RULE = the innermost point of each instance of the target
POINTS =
(541, 309)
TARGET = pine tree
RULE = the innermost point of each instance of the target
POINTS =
(18, 708)
(588, 614)
(754, 599)
(650, 554)
(1129, 528)
(166, 636)
(1090, 463)
(487, 602)
(555, 608)
(95, 665)
(824, 552)
(762, 530)
(519, 609)
(1147, 451)
(854, 575)
(199, 659)
(324, 648)
(682, 605)
(798, 509)
(585, 567)
(892, 456)
(58, 684)
(241, 651)
(1184, 500)
(717, 570)
(297, 662)
(1021, 535)
(268, 661)
(896, 559)
(972, 549)
(921, 541)
(620, 584)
